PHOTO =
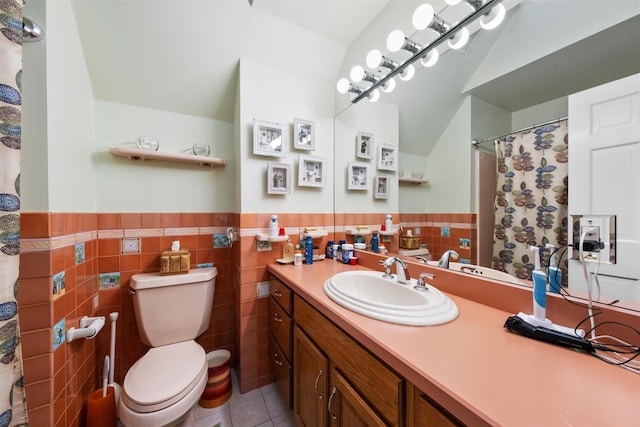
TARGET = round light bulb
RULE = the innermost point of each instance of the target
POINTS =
(357, 74)
(389, 85)
(422, 16)
(431, 58)
(408, 73)
(374, 95)
(459, 39)
(395, 41)
(343, 85)
(494, 18)
(374, 58)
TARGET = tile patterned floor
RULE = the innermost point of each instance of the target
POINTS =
(261, 407)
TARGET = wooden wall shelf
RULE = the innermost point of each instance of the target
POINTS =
(139, 154)
(413, 181)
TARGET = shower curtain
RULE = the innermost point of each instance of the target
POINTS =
(531, 198)
(12, 399)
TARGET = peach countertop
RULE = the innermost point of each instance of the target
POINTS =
(477, 370)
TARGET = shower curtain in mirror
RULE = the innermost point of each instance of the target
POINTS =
(12, 399)
(531, 198)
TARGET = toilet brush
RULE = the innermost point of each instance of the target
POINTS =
(112, 352)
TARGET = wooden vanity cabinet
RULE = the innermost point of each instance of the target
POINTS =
(365, 390)
(424, 412)
(310, 381)
(281, 335)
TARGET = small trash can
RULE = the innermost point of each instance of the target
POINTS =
(218, 388)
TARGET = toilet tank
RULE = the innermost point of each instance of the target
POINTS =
(174, 308)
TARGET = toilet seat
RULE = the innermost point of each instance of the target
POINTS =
(164, 376)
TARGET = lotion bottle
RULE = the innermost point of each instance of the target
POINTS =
(287, 251)
(555, 274)
(539, 287)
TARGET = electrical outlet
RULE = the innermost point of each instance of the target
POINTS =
(595, 228)
(262, 289)
(130, 245)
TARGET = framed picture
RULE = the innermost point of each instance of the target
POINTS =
(304, 134)
(358, 176)
(278, 178)
(269, 139)
(387, 157)
(312, 171)
(381, 185)
(364, 145)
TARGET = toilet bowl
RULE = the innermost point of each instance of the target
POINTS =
(171, 311)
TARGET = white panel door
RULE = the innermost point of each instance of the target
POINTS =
(604, 174)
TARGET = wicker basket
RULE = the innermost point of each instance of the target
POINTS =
(175, 262)
(409, 242)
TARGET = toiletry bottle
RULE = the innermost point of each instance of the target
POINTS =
(308, 250)
(287, 251)
(273, 226)
(374, 243)
(539, 287)
(297, 256)
(555, 274)
(388, 223)
(328, 253)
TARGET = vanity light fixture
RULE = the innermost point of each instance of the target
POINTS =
(489, 12)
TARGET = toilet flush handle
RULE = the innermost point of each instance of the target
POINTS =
(132, 291)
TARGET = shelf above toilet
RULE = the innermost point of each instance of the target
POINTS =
(143, 155)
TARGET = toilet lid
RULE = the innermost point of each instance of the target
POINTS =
(163, 376)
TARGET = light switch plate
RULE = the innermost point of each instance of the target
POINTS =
(262, 289)
(130, 245)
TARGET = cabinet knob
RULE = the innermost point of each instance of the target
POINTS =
(277, 293)
(276, 318)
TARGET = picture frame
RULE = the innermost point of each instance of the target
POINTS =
(358, 176)
(364, 145)
(269, 139)
(304, 134)
(381, 185)
(312, 171)
(387, 157)
(278, 178)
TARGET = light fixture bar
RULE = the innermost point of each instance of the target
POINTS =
(484, 9)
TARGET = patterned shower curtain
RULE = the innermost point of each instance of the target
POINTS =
(12, 399)
(531, 198)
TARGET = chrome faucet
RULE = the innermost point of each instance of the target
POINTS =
(401, 270)
(444, 259)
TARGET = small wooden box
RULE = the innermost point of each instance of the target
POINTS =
(175, 262)
(409, 242)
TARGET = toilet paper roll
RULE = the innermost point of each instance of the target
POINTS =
(175, 245)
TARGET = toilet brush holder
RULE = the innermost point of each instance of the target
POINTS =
(101, 409)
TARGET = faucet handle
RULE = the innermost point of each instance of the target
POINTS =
(387, 269)
(421, 285)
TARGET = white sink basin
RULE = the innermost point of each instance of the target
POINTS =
(369, 294)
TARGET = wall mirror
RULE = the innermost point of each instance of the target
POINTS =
(501, 81)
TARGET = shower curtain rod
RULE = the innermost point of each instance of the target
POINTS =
(476, 142)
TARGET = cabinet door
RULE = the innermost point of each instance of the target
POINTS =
(280, 369)
(347, 408)
(310, 382)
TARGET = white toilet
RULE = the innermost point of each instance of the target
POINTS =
(171, 311)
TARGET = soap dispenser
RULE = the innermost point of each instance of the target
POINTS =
(287, 251)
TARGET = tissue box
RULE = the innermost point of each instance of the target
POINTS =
(175, 262)
(409, 242)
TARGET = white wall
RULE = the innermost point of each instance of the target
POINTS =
(274, 95)
(450, 166)
(123, 185)
(381, 120)
(57, 174)
(413, 198)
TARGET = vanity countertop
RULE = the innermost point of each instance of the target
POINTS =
(479, 371)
